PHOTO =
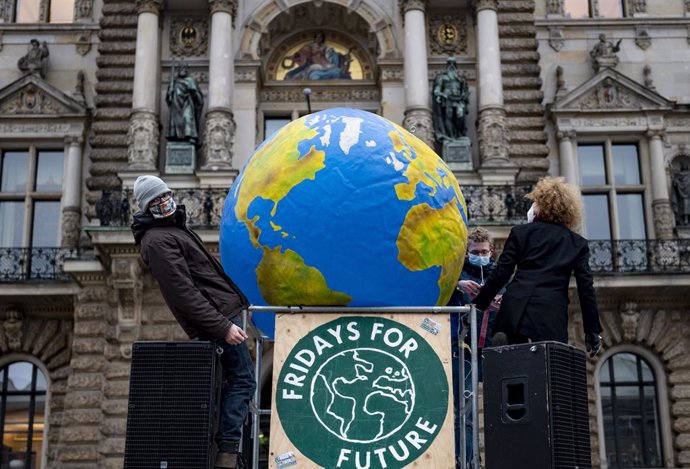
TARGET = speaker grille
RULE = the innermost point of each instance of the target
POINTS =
(172, 402)
(569, 412)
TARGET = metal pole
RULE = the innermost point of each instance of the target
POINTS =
(307, 94)
(475, 385)
(462, 401)
(359, 310)
(256, 415)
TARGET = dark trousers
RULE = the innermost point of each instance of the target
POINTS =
(238, 391)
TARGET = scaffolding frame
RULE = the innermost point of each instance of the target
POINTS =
(468, 399)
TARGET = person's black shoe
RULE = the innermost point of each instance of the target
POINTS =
(227, 461)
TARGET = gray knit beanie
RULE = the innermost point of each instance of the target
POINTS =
(147, 188)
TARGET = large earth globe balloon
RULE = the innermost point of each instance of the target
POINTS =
(344, 208)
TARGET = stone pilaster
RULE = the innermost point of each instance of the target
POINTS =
(663, 215)
(566, 156)
(420, 124)
(417, 118)
(142, 141)
(218, 140)
(493, 137)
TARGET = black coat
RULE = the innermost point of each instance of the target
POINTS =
(535, 303)
(200, 295)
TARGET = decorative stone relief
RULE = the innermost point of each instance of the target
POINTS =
(604, 53)
(608, 95)
(149, 6)
(420, 124)
(493, 136)
(218, 137)
(142, 141)
(330, 94)
(629, 318)
(648, 81)
(642, 38)
(663, 218)
(560, 82)
(609, 122)
(83, 9)
(126, 277)
(448, 34)
(485, 4)
(554, 7)
(556, 39)
(70, 228)
(6, 7)
(12, 327)
(35, 59)
(637, 6)
(408, 5)
(228, 6)
(189, 36)
(687, 6)
(246, 74)
(83, 44)
(31, 100)
(2, 37)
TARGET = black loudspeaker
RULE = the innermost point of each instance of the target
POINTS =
(535, 407)
(173, 400)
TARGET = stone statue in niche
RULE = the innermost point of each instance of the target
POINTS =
(185, 102)
(451, 96)
(35, 59)
(603, 54)
(318, 61)
(681, 193)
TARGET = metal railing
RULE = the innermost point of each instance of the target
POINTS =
(640, 256)
(498, 205)
(26, 264)
(204, 206)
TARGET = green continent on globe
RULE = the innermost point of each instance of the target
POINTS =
(275, 170)
(429, 236)
(279, 272)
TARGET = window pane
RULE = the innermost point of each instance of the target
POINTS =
(624, 367)
(273, 124)
(49, 173)
(630, 216)
(20, 376)
(610, 8)
(604, 374)
(15, 168)
(576, 9)
(626, 165)
(46, 225)
(597, 222)
(647, 375)
(591, 161)
(41, 384)
(11, 224)
(61, 11)
(27, 11)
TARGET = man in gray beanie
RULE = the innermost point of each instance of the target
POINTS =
(203, 299)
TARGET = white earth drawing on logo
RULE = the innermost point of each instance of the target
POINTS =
(389, 386)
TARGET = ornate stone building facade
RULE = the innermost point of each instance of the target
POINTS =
(82, 114)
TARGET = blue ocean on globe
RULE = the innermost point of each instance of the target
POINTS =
(343, 207)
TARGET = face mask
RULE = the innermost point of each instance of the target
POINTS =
(479, 261)
(165, 208)
(530, 214)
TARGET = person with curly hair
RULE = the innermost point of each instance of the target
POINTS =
(541, 256)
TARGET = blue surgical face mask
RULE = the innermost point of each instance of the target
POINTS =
(479, 261)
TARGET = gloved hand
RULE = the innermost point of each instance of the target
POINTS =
(592, 343)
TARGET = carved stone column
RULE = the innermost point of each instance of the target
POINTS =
(661, 204)
(220, 125)
(71, 193)
(143, 133)
(493, 141)
(566, 156)
(417, 111)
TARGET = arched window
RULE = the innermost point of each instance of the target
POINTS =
(630, 412)
(22, 415)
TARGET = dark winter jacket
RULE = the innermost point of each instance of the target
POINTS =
(543, 256)
(200, 295)
(459, 298)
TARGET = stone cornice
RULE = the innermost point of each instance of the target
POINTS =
(149, 6)
(227, 6)
(618, 22)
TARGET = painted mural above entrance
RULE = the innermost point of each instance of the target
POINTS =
(319, 55)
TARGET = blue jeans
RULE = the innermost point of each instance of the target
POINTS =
(238, 391)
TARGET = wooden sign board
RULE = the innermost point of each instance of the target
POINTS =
(362, 391)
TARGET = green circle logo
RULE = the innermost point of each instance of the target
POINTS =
(362, 392)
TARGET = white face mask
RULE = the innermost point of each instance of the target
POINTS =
(530, 214)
